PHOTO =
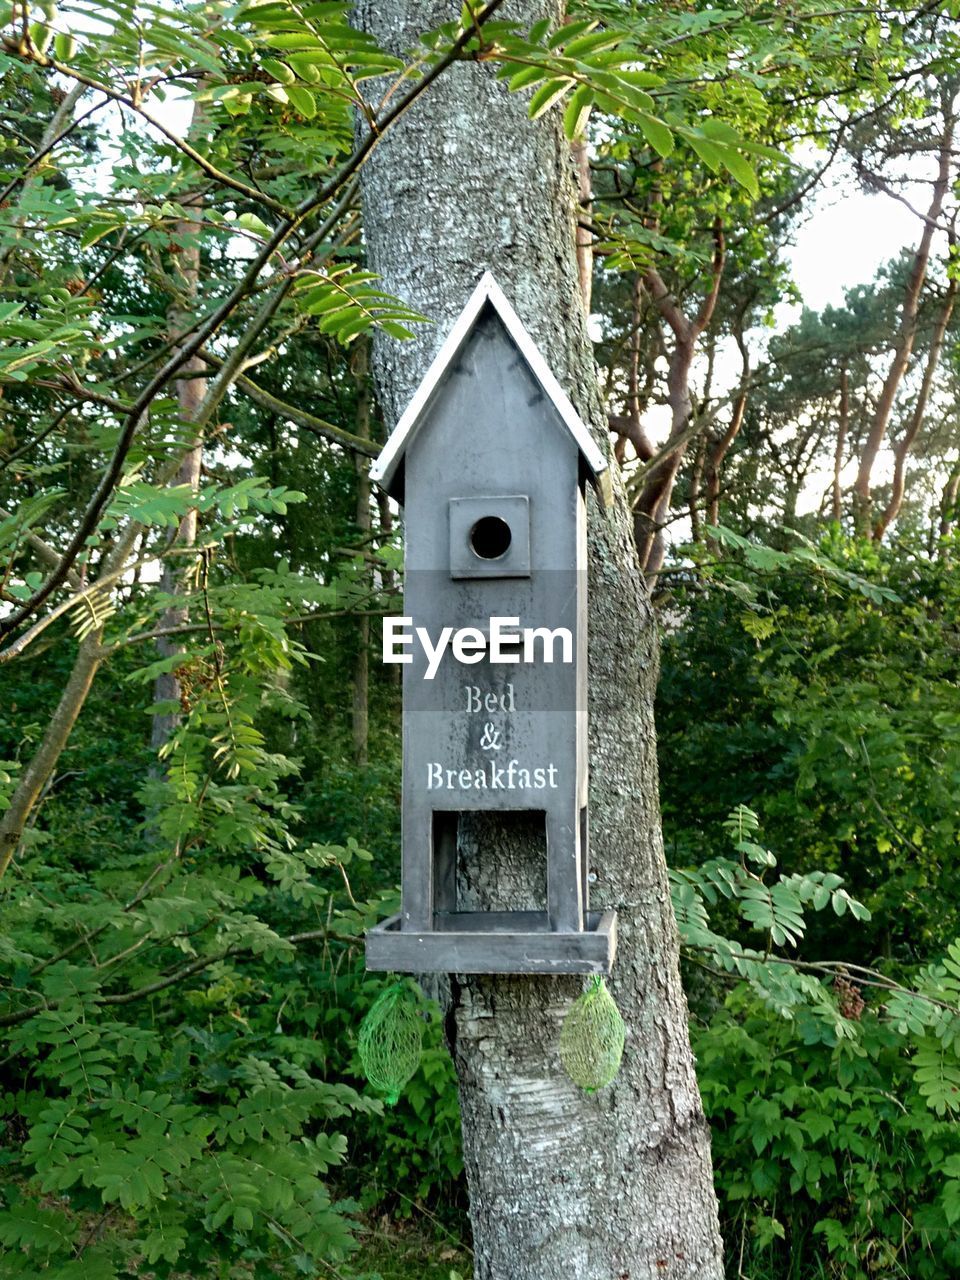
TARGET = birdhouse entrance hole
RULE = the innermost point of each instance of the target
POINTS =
(490, 538)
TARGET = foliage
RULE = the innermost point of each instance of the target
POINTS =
(834, 719)
(165, 1115)
(830, 1069)
(828, 1159)
(181, 989)
(926, 1014)
(408, 1252)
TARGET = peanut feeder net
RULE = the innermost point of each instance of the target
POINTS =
(592, 1038)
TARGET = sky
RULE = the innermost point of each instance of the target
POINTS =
(845, 238)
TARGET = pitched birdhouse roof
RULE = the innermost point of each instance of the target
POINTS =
(387, 471)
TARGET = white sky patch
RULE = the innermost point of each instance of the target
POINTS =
(848, 233)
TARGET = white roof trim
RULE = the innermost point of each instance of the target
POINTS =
(487, 290)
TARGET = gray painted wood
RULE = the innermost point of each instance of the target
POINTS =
(445, 863)
(484, 736)
(485, 942)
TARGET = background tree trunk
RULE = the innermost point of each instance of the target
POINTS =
(13, 822)
(654, 505)
(360, 367)
(719, 449)
(905, 444)
(580, 151)
(562, 1186)
(862, 493)
(948, 501)
(836, 510)
(191, 390)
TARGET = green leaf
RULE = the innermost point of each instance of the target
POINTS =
(577, 112)
(547, 95)
(591, 43)
(524, 77)
(711, 155)
(279, 70)
(302, 101)
(741, 169)
(64, 46)
(570, 31)
(251, 222)
(656, 133)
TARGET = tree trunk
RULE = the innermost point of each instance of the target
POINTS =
(836, 510)
(580, 150)
(627, 426)
(693, 498)
(36, 775)
(38, 772)
(892, 509)
(908, 325)
(562, 1186)
(657, 491)
(948, 501)
(361, 667)
(191, 390)
(654, 504)
(720, 448)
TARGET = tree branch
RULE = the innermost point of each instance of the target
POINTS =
(32, 54)
(317, 426)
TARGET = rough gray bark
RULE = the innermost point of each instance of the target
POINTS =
(562, 1187)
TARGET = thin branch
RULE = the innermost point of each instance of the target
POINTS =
(101, 495)
(45, 552)
(317, 426)
(32, 54)
(178, 975)
(49, 142)
(362, 153)
(288, 225)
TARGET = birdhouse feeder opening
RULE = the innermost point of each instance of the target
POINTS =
(511, 849)
(490, 538)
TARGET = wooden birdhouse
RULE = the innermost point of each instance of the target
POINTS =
(491, 461)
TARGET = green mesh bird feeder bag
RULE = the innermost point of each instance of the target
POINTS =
(592, 1038)
(390, 1043)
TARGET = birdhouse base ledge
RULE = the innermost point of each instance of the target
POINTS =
(493, 942)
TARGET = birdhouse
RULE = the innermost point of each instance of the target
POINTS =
(491, 463)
